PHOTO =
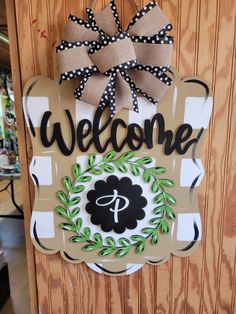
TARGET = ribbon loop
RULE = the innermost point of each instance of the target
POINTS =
(74, 59)
(98, 83)
(148, 22)
(77, 32)
(153, 54)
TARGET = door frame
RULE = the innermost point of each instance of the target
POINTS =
(23, 154)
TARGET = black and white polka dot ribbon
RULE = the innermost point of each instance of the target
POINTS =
(113, 66)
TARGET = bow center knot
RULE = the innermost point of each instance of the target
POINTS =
(114, 54)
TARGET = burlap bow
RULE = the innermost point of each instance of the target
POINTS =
(112, 66)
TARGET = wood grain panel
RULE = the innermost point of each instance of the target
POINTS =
(227, 281)
(204, 283)
(218, 149)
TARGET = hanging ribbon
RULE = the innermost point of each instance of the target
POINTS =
(112, 67)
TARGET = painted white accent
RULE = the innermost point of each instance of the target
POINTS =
(36, 107)
(174, 101)
(172, 230)
(198, 111)
(94, 267)
(84, 111)
(44, 224)
(185, 229)
(189, 171)
(1, 259)
(146, 111)
(134, 268)
(41, 167)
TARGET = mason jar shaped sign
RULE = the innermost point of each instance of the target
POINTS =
(116, 167)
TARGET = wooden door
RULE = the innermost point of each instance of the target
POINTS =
(204, 33)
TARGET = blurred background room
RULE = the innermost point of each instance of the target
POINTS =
(14, 296)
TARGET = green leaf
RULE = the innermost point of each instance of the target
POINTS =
(122, 167)
(159, 198)
(167, 182)
(126, 156)
(155, 221)
(124, 241)
(91, 160)
(107, 168)
(78, 224)
(164, 227)
(140, 248)
(135, 170)
(171, 216)
(157, 170)
(67, 183)
(137, 238)
(109, 156)
(78, 239)
(75, 212)
(155, 186)
(90, 247)
(111, 242)
(148, 230)
(62, 197)
(170, 213)
(159, 209)
(62, 211)
(146, 176)
(74, 201)
(87, 233)
(155, 239)
(122, 252)
(85, 179)
(97, 238)
(95, 171)
(106, 251)
(77, 189)
(144, 161)
(170, 199)
(67, 227)
(76, 171)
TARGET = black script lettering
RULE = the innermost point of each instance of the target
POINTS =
(97, 131)
(83, 130)
(57, 134)
(114, 128)
(163, 136)
(134, 137)
(181, 138)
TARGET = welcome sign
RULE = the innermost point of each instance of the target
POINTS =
(116, 187)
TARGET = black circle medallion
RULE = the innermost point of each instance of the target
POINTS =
(116, 204)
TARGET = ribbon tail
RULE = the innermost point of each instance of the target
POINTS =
(94, 88)
(90, 16)
(124, 94)
(153, 86)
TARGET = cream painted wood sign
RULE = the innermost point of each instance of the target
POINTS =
(116, 161)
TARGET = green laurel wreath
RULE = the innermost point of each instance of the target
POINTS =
(162, 212)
